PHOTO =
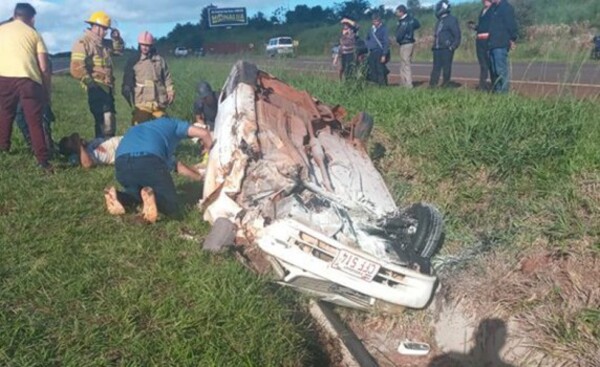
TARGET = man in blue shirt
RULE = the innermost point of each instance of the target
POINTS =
(143, 165)
(378, 44)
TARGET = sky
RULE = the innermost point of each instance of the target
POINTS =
(61, 22)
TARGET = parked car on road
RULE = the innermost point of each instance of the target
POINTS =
(181, 52)
(280, 46)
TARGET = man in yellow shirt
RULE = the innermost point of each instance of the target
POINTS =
(91, 64)
(25, 79)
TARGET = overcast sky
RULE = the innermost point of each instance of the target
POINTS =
(61, 21)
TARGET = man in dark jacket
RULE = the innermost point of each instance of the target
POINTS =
(379, 45)
(405, 36)
(446, 40)
(503, 34)
(481, 42)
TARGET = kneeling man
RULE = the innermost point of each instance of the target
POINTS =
(143, 165)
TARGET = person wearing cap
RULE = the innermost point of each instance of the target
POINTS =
(144, 160)
(503, 35)
(147, 82)
(347, 49)
(405, 36)
(446, 40)
(91, 64)
(25, 79)
(205, 106)
(482, 28)
(378, 43)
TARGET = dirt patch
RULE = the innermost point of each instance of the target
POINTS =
(541, 295)
(382, 334)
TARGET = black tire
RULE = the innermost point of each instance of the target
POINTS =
(429, 234)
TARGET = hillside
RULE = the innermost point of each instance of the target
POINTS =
(551, 30)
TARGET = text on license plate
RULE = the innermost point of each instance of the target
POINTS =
(355, 265)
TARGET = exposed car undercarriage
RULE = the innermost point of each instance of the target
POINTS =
(288, 176)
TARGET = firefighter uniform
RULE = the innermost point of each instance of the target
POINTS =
(149, 78)
(147, 82)
(91, 64)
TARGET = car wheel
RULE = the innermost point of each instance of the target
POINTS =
(428, 235)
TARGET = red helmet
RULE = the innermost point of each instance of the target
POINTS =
(146, 38)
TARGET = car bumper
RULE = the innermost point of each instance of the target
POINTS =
(311, 253)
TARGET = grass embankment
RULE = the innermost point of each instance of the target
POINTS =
(561, 32)
(513, 177)
(81, 288)
(517, 180)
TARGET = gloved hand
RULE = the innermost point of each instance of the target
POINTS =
(127, 93)
(88, 82)
(170, 96)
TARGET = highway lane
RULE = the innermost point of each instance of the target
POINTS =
(534, 72)
(533, 79)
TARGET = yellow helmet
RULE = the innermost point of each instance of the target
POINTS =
(100, 18)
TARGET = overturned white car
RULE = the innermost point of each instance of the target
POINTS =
(288, 179)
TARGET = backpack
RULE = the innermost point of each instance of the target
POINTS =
(360, 46)
(415, 24)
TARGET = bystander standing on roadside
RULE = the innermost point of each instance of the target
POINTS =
(446, 40)
(25, 79)
(91, 64)
(482, 29)
(503, 35)
(378, 43)
(347, 50)
(147, 82)
(405, 36)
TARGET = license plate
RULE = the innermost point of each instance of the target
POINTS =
(355, 265)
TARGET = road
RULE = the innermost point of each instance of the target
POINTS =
(534, 78)
(534, 72)
(60, 65)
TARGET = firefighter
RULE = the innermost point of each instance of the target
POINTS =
(147, 82)
(91, 64)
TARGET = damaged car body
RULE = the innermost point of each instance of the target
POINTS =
(295, 182)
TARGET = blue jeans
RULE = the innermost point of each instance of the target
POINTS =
(499, 70)
(137, 171)
(47, 119)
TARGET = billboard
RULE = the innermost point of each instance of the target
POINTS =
(227, 17)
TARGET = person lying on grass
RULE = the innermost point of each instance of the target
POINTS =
(143, 165)
(101, 151)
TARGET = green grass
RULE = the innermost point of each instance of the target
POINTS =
(81, 288)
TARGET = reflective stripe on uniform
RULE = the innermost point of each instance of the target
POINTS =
(99, 61)
(77, 56)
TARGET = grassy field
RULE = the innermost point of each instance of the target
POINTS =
(514, 177)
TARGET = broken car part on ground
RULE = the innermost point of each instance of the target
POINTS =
(296, 185)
